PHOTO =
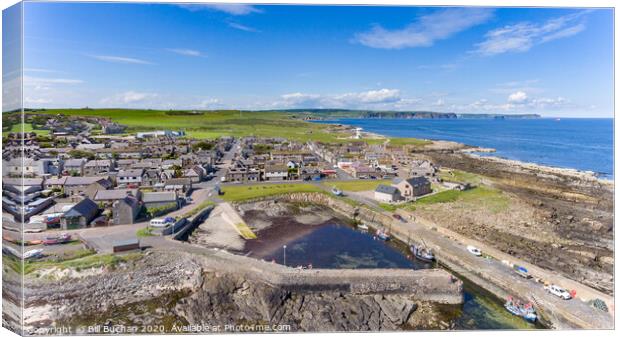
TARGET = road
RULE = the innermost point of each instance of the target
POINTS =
(450, 250)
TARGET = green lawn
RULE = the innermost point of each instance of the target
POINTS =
(241, 193)
(481, 196)
(409, 141)
(357, 185)
(460, 176)
(27, 127)
(78, 260)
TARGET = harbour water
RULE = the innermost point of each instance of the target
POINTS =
(339, 245)
(578, 143)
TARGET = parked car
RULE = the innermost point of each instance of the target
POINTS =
(474, 250)
(55, 240)
(559, 292)
(398, 217)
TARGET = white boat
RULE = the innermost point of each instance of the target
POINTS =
(336, 192)
(33, 254)
(362, 227)
(474, 250)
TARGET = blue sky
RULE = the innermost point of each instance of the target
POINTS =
(556, 62)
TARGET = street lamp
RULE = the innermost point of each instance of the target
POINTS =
(284, 247)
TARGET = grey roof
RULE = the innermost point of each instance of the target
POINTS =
(113, 194)
(418, 181)
(72, 181)
(86, 208)
(159, 197)
(386, 189)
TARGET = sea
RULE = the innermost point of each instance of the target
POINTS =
(585, 144)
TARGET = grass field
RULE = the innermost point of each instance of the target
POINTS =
(460, 176)
(241, 193)
(481, 196)
(357, 185)
(78, 260)
(27, 128)
(212, 124)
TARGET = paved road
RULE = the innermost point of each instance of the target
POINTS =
(452, 251)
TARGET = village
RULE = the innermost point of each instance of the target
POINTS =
(91, 187)
(75, 177)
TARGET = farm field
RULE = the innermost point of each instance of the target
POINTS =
(212, 124)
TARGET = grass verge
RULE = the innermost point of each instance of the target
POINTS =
(242, 193)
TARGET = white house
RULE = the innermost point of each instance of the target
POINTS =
(133, 176)
(385, 193)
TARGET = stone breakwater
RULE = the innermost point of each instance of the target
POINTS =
(177, 284)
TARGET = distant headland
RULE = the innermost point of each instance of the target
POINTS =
(314, 114)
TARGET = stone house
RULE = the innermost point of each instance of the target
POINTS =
(413, 187)
(80, 215)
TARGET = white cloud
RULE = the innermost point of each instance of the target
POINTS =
(348, 100)
(119, 59)
(522, 36)
(186, 52)
(245, 28)
(232, 9)
(517, 97)
(38, 81)
(426, 30)
(128, 98)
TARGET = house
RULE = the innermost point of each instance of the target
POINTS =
(80, 215)
(130, 177)
(276, 172)
(195, 174)
(75, 166)
(108, 197)
(422, 168)
(385, 193)
(412, 187)
(151, 177)
(78, 185)
(160, 199)
(126, 210)
(97, 167)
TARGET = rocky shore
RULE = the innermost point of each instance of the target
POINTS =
(559, 219)
(173, 291)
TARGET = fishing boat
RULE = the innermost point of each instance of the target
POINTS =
(382, 234)
(362, 227)
(525, 311)
(423, 254)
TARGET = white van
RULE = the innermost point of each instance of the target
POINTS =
(159, 223)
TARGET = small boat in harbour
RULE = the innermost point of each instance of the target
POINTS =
(382, 234)
(423, 254)
(362, 227)
(524, 310)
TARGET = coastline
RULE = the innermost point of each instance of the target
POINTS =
(472, 150)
